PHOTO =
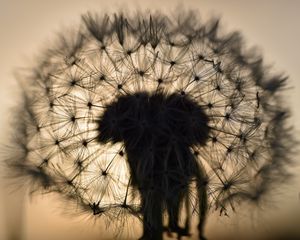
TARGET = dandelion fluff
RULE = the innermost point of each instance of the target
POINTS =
(145, 114)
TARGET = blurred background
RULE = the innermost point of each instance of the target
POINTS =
(27, 26)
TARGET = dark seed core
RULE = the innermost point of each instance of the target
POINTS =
(168, 125)
(141, 118)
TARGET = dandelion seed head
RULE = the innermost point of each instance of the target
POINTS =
(128, 111)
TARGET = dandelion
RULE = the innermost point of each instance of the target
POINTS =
(138, 116)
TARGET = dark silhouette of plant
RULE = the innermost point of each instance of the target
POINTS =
(139, 114)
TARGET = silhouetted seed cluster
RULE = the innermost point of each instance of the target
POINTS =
(125, 106)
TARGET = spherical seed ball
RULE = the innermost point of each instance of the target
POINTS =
(127, 114)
